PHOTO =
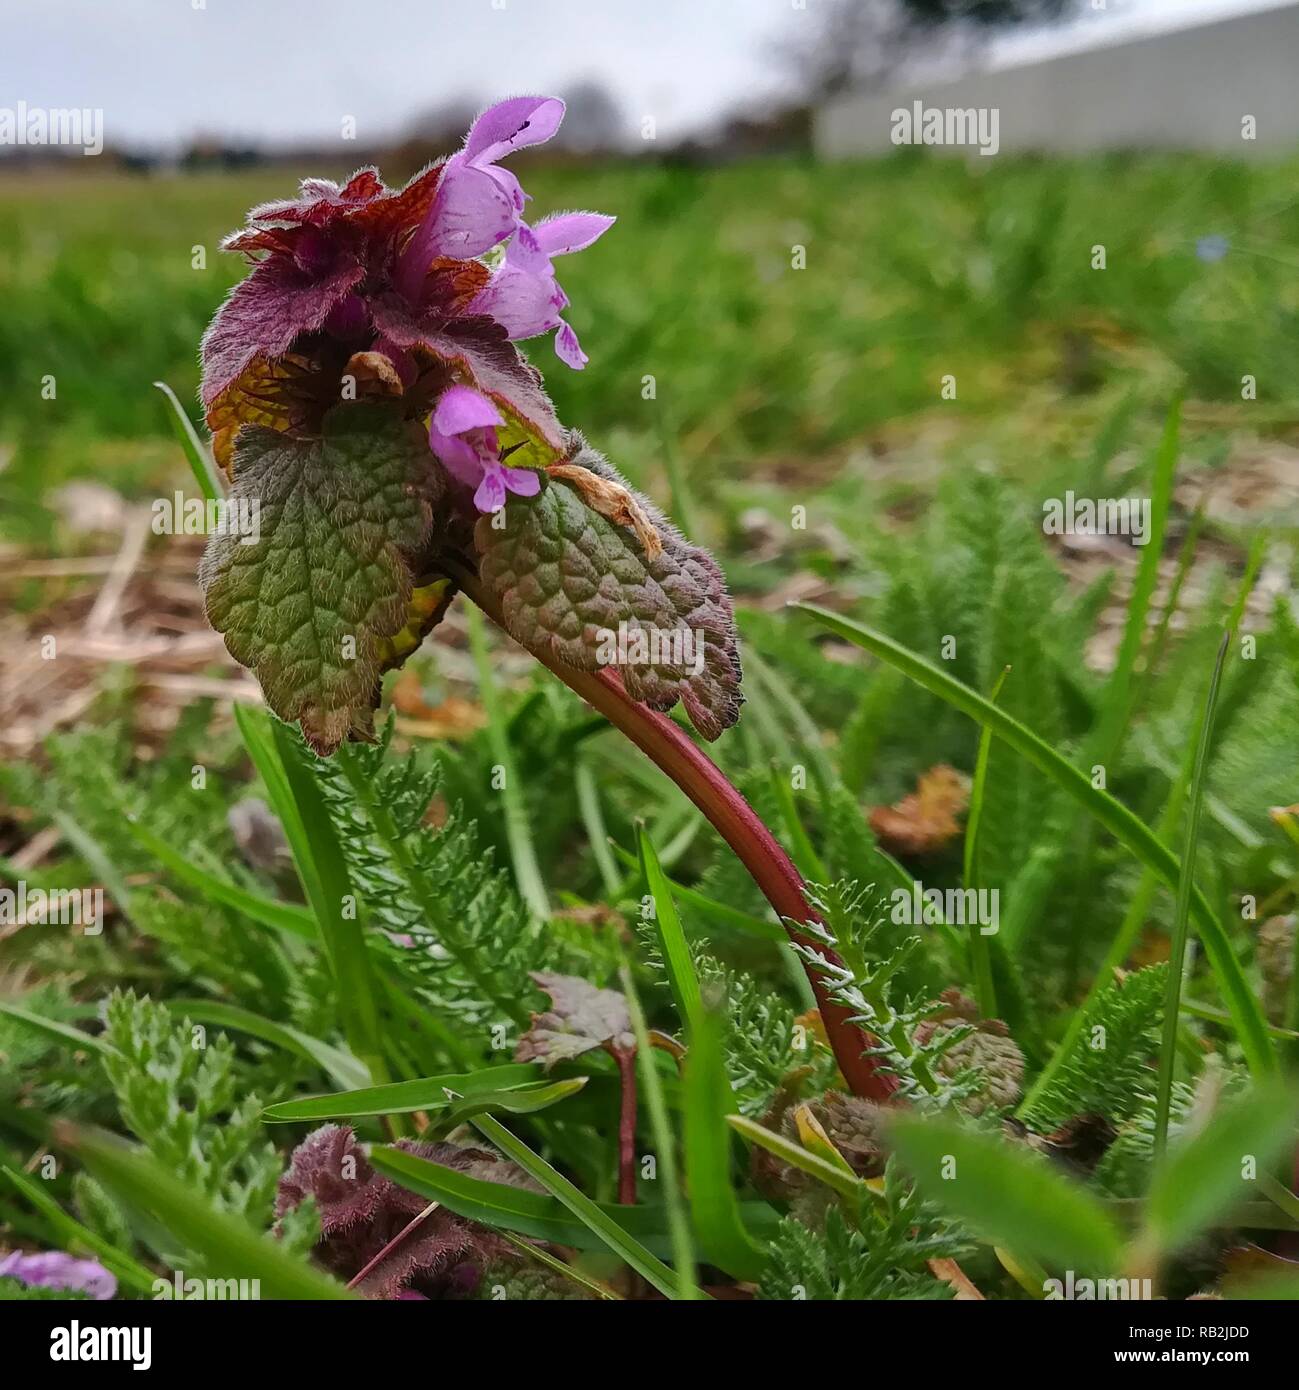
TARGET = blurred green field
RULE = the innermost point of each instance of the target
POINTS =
(914, 269)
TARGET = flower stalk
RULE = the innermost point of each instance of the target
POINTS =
(668, 746)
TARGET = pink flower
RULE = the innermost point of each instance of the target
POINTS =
(524, 296)
(478, 203)
(52, 1269)
(462, 433)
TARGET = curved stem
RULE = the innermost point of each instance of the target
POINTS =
(668, 746)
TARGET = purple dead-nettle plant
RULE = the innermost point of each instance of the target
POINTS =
(364, 386)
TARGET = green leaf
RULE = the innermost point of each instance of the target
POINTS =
(128, 1271)
(683, 1248)
(1008, 1193)
(671, 938)
(430, 1093)
(318, 858)
(281, 916)
(335, 1062)
(980, 955)
(1246, 1013)
(708, 1102)
(709, 909)
(1182, 914)
(535, 1214)
(197, 455)
(566, 576)
(595, 1218)
(846, 1184)
(58, 1032)
(518, 831)
(311, 607)
(1201, 1176)
(226, 1242)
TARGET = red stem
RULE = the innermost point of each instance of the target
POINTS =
(667, 745)
(626, 1059)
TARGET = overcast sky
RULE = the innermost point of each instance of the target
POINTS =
(272, 71)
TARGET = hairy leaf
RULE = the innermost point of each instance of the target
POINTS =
(581, 1017)
(568, 577)
(312, 606)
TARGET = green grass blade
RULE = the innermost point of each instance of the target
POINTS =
(281, 916)
(226, 1243)
(535, 1214)
(98, 859)
(1246, 1013)
(196, 453)
(671, 937)
(523, 854)
(980, 956)
(709, 909)
(296, 799)
(544, 1257)
(1182, 916)
(128, 1271)
(1010, 1194)
(831, 1174)
(588, 805)
(708, 1103)
(804, 852)
(595, 1218)
(335, 1062)
(57, 1032)
(1117, 703)
(404, 1097)
(1201, 1177)
(683, 1245)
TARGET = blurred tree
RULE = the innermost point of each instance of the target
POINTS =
(593, 120)
(858, 43)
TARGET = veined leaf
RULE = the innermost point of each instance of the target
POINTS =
(310, 605)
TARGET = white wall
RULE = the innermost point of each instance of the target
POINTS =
(1185, 90)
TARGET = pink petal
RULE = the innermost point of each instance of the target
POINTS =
(571, 231)
(508, 183)
(458, 457)
(523, 482)
(490, 496)
(568, 349)
(524, 251)
(523, 303)
(513, 125)
(461, 408)
(470, 214)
